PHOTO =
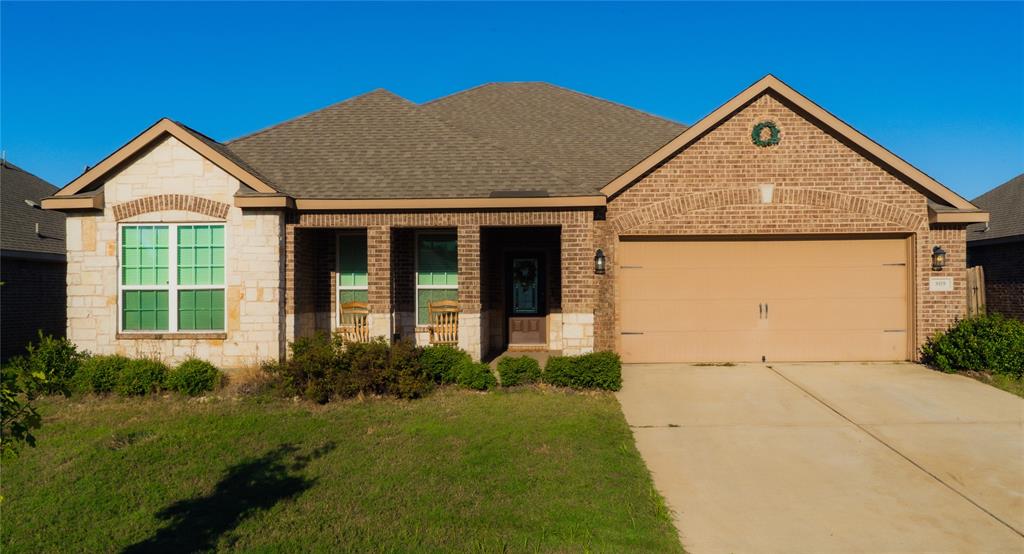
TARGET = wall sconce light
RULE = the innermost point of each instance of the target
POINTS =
(938, 258)
(599, 262)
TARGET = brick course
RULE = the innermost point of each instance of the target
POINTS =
(1004, 275)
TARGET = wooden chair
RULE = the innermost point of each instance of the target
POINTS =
(353, 325)
(444, 321)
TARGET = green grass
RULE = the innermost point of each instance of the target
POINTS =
(1012, 385)
(529, 470)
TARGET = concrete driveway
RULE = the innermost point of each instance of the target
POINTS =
(831, 457)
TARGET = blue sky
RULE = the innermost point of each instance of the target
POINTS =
(941, 85)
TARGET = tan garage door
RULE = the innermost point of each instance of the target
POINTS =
(793, 300)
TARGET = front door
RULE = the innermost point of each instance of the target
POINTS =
(527, 321)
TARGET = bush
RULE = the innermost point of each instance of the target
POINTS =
(142, 376)
(409, 378)
(57, 359)
(984, 343)
(193, 377)
(598, 370)
(518, 371)
(440, 361)
(363, 367)
(475, 375)
(99, 374)
(310, 370)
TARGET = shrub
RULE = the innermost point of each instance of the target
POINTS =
(985, 343)
(475, 375)
(440, 361)
(193, 377)
(310, 370)
(142, 376)
(99, 374)
(518, 371)
(598, 370)
(57, 359)
(363, 367)
(252, 379)
(409, 379)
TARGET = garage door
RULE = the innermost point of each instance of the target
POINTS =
(793, 300)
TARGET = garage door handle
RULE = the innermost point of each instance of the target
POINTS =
(760, 311)
(631, 333)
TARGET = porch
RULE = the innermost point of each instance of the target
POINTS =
(505, 281)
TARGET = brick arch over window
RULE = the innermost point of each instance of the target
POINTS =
(166, 202)
(676, 206)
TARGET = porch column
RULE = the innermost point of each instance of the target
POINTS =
(578, 287)
(470, 322)
(378, 258)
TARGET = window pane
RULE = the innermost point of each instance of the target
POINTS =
(201, 310)
(144, 255)
(144, 310)
(352, 296)
(352, 264)
(201, 254)
(437, 260)
(425, 296)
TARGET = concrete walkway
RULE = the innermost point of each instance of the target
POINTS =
(831, 457)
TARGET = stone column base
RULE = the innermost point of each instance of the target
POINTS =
(469, 335)
(577, 333)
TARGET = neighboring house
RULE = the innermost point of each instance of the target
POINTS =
(814, 244)
(998, 246)
(32, 262)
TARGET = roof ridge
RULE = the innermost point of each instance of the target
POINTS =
(459, 92)
(316, 111)
(617, 104)
(536, 163)
(1019, 179)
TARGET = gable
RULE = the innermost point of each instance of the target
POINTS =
(828, 123)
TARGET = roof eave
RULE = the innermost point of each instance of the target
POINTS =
(957, 216)
(310, 204)
(78, 202)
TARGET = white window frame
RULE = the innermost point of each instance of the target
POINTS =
(416, 269)
(337, 272)
(172, 287)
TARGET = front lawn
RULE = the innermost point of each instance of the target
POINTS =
(527, 470)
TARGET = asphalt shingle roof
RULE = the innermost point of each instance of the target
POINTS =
(1005, 205)
(18, 219)
(502, 139)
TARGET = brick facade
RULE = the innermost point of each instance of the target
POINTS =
(32, 298)
(1004, 275)
(816, 183)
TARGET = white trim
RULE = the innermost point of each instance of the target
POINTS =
(441, 232)
(172, 287)
(336, 317)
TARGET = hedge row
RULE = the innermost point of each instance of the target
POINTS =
(598, 370)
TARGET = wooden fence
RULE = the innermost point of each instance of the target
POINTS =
(975, 291)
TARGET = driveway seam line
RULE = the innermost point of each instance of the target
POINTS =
(900, 454)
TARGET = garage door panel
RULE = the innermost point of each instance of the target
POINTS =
(817, 345)
(836, 299)
(689, 315)
(655, 282)
(836, 314)
(696, 346)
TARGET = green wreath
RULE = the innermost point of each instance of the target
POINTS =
(773, 138)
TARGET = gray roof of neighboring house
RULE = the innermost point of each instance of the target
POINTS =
(18, 219)
(524, 139)
(1005, 205)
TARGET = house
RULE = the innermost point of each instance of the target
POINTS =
(32, 262)
(998, 246)
(770, 229)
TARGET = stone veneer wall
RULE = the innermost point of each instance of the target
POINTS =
(169, 182)
(819, 186)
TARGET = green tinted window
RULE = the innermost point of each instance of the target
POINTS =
(425, 296)
(352, 296)
(144, 310)
(352, 261)
(144, 255)
(437, 260)
(201, 310)
(201, 255)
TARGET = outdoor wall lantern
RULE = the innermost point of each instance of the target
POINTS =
(938, 258)
(599, 262)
